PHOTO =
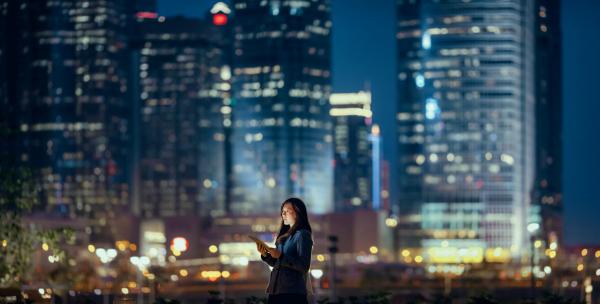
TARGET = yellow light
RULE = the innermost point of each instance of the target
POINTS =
(45, 247)
(122, 245)
(497, 255)
(418, 259)
(385, 194)
(320, 258)
(580, 267)
(375, 130)
(91, 248)
(584, 252)
(213, 248)
(132, 285)
(391, 222)
(552, 254)
(405, 252)
(4, 243)
(450, 255)
(183, 272)
(211, 274)
(225, 274)
(350, 111)
(176, 252)
(537, 244)
(373, 250)
(597, 253)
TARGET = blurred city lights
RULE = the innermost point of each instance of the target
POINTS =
(316, 273)
(179, 244)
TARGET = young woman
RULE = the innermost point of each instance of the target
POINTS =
(291, 257)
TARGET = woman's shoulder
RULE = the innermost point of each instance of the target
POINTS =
(303, 233)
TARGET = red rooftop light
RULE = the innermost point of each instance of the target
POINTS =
(219, 19)
(147, 15)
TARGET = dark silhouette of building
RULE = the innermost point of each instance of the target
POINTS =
(64, 74)
(547, 196)
(183, 107)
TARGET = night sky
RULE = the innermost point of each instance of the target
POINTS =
(363, 57)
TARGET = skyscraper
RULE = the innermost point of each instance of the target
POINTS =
(547, 199)
(282, 131)
(353, 168)
(7, 67)
(183, 93)
(466, 127)
(68, 87)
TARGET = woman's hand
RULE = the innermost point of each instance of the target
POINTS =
(274, 252)
(262, 250)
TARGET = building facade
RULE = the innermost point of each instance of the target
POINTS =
(282, 131)
(352, 116)
(547, 195)
(183, 93)
(68, 90)
(466, 128)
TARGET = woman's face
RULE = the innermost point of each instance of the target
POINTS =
(288, 214)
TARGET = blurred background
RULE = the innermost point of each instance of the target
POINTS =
(446, 149)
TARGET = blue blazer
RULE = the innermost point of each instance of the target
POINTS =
(291, 268)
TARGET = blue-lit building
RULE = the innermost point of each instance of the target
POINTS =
(466, 128)
(64, 73)
(282, 131)
(183, 107)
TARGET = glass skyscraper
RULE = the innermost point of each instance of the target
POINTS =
(353, 170)
(68, 90)
(466, 128)
(183, 93)
(282, 131)
(547, 196)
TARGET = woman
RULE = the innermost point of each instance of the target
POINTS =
(291, 257)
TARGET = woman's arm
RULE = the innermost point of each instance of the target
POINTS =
(304, 245)
(265, 255)
(267, 258)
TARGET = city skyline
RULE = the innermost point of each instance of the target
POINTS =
(374, 37)
(439, 147)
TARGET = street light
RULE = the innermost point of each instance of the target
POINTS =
(533, 228)
(392, 222)
(317, 274)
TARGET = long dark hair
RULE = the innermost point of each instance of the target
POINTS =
(301, 219)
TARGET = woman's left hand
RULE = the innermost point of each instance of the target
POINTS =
(274, 252)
